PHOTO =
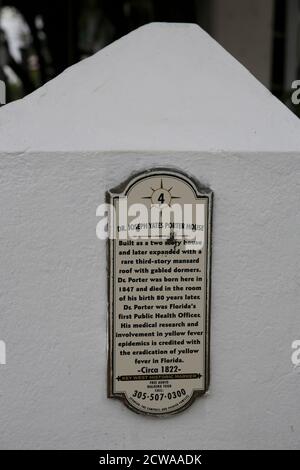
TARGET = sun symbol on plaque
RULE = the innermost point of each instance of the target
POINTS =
(161, 195)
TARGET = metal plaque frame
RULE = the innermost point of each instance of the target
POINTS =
(122, 190)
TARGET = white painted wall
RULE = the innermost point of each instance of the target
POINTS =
(163, 87)
(53, 268)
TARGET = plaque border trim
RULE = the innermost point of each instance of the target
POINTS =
(122, 189)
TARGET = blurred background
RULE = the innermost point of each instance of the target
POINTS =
(39, 39)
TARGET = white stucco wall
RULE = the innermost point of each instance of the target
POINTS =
(60, 150)
(245, 29)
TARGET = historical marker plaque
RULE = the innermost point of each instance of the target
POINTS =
(159, 264)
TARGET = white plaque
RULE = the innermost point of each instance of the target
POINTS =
(159, 291)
